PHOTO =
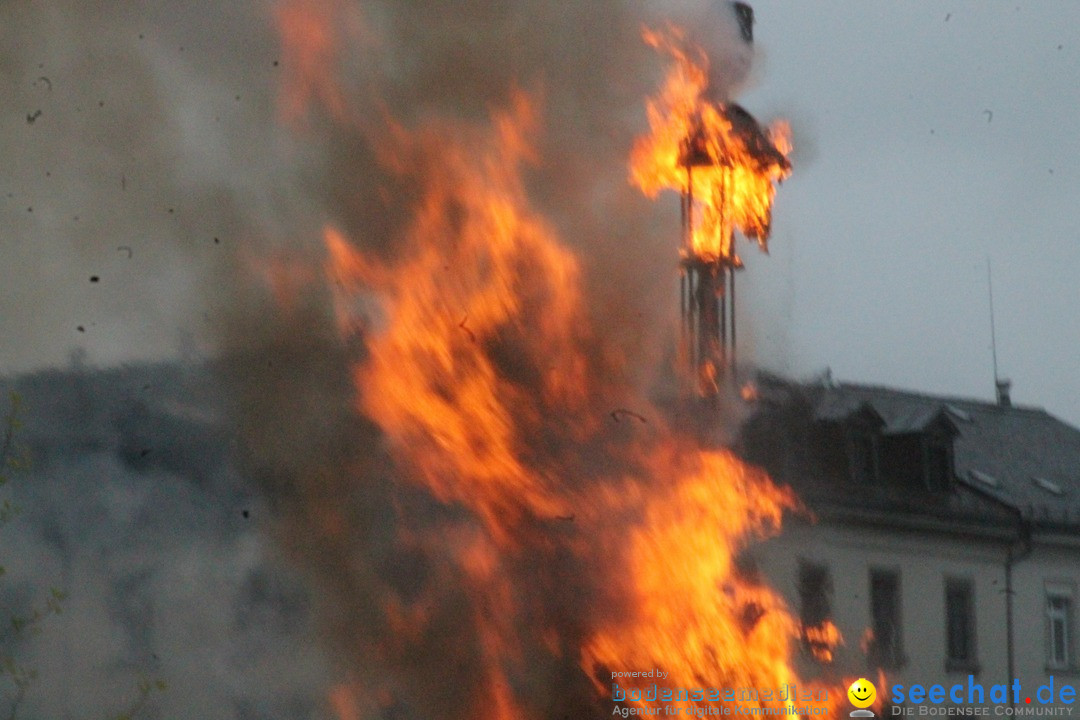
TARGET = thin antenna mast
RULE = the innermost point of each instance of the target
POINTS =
(1002, 386)
(993, 332)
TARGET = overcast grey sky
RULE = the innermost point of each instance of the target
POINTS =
(934, 135)
(929, 136)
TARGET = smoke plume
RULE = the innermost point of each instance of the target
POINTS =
(189, 159)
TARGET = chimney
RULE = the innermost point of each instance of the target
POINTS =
(1003, 388)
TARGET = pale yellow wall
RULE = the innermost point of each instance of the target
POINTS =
(924, 561)
(1060, 565)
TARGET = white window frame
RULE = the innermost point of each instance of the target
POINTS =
(1059, 620)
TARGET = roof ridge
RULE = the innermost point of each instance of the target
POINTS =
(921, 395)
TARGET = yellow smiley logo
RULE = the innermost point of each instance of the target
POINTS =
(862, 693)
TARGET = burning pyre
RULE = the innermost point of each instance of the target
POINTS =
(518, 545)
(713, 152)
(725, 167)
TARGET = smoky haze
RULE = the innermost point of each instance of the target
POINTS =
(162, 201)
(896, 160)
(144, 146)
(139, 150)
(132, 508)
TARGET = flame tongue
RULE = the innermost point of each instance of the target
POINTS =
(693, 613)
(481, 346)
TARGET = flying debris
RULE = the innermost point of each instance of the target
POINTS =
(726, 167)
(464, 327)
(618, 412)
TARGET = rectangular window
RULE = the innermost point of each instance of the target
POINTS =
(815, 588)
(885, 649)
(1059, 625)
(959, 624)
(815, 610)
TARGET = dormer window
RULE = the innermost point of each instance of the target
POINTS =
(907, 445)
(937, 442)
(917, 451)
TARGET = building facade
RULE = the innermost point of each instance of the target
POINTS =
(941, 537)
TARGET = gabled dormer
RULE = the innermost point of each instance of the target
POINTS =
(895, 443)
(918, 451)
(848, 433)
(939, 467)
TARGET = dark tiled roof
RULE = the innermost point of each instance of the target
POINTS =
(1008, 460)
(1017, 455)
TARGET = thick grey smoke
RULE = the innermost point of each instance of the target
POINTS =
(149, 141)
(140, 148)
(132, 508)
(588, 70)
(143, 146)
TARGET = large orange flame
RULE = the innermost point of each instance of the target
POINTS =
(693, 613)
(452, 377)
(485, 379)
(477, 349)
